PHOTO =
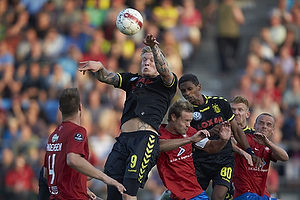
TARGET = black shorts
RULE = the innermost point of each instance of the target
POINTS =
(220, 174)
(133, 156)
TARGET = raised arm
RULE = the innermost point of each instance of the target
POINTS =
(241, 138)
(161, 63)
(241, 152)
(277, 152)
(99, 72)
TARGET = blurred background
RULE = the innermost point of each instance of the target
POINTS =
(256, 54)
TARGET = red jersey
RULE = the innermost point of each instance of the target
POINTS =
(63, 181)
(176, 168)
(251, 179)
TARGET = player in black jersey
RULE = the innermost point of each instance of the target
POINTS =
(209, 112)
(148, 97)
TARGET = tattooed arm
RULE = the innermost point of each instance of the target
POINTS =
(161, 63)
(100, 72)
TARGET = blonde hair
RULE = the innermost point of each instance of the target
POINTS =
(146, 49)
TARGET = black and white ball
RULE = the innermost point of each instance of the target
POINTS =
(129, 21)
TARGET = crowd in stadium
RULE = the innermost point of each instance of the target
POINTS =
(42, 42)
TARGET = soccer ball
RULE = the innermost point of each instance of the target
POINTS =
(129, 21)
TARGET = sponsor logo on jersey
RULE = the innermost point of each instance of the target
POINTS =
(209, 123)
(133, 78)
(263, 160)
(216, 108)
(78, 137)
(55, 137)
(197, 116)
(181, 151)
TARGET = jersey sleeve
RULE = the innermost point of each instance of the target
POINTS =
(227, 110)
(78, 142)
(124, 78)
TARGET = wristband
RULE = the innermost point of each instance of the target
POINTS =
(250, 151)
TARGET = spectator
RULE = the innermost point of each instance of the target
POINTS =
(77, 37)
(20, 181)
(59, 79)
(268, 46)
(25, 45)
(245, 89)
(277, 30)
(285, 60)
(68, 16)
(8, 86)
(43, 24)
(229, 19)
(69, 62)
(54, 44)
(6, 57)
(282, 10)
(33, 82)
(165, 15)
(269, 88)
(32, 6)
(291, 96)
(94, 105)
(5, 165)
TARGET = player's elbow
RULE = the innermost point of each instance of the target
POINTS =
(285, 157)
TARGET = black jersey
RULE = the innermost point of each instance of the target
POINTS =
(146, 98)
(215, 110)
(248, 130)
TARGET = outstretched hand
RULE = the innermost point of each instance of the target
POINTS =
(260, 138)
(150, 40)
(120, 187)
(92, 66)
(225, 131)
(215, 130)
(91, 195)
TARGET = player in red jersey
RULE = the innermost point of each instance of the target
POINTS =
(249, 182)
(175, 163)
(240, 108)
(66, 165)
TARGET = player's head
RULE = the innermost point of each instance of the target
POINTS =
(148, 67)
(190, 88)
(180, 116)
(69, 102)
(240, 108)
(265, 124)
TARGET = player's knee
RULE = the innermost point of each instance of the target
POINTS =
(219, 193)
